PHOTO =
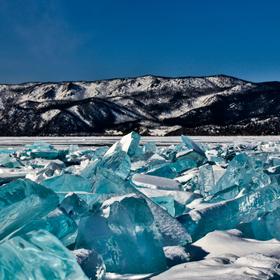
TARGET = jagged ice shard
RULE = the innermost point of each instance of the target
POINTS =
(228, 214)
(37, 255)
(67, 183)
(56, 222)
(243, 174)
(105, 213)
(124, 233)
(21, 202)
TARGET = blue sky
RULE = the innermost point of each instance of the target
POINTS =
(54, 40)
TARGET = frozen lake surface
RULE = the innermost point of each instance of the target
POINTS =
(88, 141)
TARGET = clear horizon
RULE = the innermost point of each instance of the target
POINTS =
(52, 41)
(132, 77)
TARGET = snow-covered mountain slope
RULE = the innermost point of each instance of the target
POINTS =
(149, 104)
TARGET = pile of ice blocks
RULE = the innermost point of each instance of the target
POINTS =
(131, 208)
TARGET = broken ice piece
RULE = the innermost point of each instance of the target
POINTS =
(117, 162)
(91, 263)
(206, 179)
(190, 144)
(123, 232)
(265, 227)
(37, 255)
(165, 170)
(155, 182)
(10, 162)
(21, 202)
(81, 204)
(244, 174)
(68, 183)
(9, 174)
(52, 169)
(187, 161)
(57, 223)
(39, 146)
(107, 183)
(169, 204)
(128, 143)
(214, 156)
(188, 175)
(228, 214)
(149, 148)
(44, 150)
(74, 206)
(182, 197)
(88, 169)
(173, 233)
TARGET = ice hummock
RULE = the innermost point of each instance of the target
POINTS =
(134, 210)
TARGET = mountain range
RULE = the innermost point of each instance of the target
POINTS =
(151, 105)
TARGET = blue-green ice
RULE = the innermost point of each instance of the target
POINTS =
(132, 208)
